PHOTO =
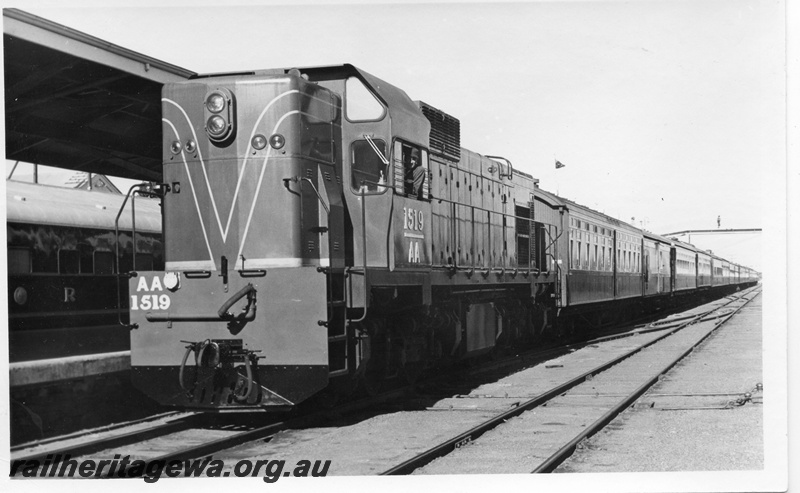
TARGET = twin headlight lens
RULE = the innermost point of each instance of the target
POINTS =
(220, 114)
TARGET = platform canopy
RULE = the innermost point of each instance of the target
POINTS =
(77, 102)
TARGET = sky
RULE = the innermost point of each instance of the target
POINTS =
(666, 114)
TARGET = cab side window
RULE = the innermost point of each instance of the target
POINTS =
(369, 173)
(411, 171)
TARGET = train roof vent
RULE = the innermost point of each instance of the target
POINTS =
(445, 137)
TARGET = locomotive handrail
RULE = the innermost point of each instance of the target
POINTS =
(300, 180)
(362, 193)
(131, 193)
(527, 271)
(364, 251)
(475, 207)
(510, 174)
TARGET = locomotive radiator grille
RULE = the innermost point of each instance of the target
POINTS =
(445, 138)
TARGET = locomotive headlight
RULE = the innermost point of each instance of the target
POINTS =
(175, 147)
(172, 281)
(215, 102)
(259, 142)
(216, 126)
(190, 146)
(277, 141)
(219, 110)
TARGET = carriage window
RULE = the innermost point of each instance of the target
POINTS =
(44, 261)
(361, 104)
(598, 265)
(368, 169)
(572, 253)
(125, 262)
(587, 264)
(19, 260)
(144, 261)
(103, 263)
(87, 258)
(69, 262)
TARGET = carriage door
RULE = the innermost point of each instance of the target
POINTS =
(412, 210)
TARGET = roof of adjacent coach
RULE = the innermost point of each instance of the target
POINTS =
(31, 203)
(600, 216)
(686, 246)
(553, 199)
(657, 237)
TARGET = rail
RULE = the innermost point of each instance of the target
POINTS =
(565, 451)
(117, 440)
(462, 439)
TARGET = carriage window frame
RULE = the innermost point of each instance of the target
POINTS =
(66, 257)
(28, 255)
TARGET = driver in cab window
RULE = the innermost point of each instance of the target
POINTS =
(415, 177)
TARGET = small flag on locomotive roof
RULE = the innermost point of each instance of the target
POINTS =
(559, 165)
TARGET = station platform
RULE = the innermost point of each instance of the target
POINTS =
(57, 396)
(707, 414)
(69, 368)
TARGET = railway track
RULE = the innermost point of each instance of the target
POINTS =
(188, 436)
(181, 435)
(605, 398)
(131, 432)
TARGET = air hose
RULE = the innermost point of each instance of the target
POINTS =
(189, 349)
(250, 382)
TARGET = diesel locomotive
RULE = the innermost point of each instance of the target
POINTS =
(323, 231)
